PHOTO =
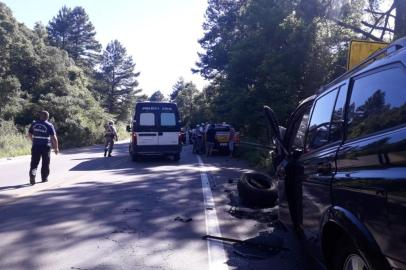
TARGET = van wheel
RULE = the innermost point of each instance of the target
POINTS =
(257, 190)
(135, 157)
(176, 157)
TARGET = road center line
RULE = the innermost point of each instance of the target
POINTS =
(217, 255)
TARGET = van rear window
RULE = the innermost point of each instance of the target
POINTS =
(147, 119)
(168, 119)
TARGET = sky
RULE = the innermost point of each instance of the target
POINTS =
(160, 35)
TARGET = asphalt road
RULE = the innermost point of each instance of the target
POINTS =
(112, 213)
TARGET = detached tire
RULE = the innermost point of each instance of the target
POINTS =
(257, 190)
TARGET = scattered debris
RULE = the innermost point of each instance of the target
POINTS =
(260, 215)
(209, 208)
(261, 247)
(227, 190)
(183, 219)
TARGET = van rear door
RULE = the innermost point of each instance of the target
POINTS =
(169, 126)
(147, 133)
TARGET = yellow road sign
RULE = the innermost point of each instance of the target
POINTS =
(360, 50)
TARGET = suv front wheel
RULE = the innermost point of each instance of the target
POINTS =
(347, 257)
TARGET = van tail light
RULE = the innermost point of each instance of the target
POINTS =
(134, 138)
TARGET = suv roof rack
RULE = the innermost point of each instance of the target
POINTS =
(394, 46)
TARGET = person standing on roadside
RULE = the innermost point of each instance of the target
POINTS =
(231, 141)
(43, 136)
(110, 136)
(210, 139)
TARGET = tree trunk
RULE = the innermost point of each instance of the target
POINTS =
(400, 22)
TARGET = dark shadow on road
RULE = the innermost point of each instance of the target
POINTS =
(14, 187)
(124, 212)
(135, 210)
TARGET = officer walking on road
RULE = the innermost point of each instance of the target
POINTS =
(42, 134)
(110, 136)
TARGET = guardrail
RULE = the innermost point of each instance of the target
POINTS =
(256, 145)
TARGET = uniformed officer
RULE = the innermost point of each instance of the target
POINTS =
(43, 136)
(110, 136)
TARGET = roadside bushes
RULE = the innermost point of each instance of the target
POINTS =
(12, 141)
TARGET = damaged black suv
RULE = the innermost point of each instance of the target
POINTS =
(341, 166)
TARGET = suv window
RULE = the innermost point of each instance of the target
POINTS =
(378, 102)
(320, 122)
(337, 121)
(300, 130)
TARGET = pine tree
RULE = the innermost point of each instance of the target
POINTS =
(59, 29)
(84, 47)
(119, 80)
(178, 87)
(157, 96)
(72, 31)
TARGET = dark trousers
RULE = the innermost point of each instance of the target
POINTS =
(38, 152)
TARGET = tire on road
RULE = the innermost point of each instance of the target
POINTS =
(257, 190)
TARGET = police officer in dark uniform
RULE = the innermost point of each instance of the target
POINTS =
(43, 136)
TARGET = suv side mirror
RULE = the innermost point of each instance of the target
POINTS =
(128, 128)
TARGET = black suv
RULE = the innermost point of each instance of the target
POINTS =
(341, 166)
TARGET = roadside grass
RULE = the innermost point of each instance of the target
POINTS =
(12, 141)
(15, 143)
(259, 159)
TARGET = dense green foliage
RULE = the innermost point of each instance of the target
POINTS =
(54, 68)
(270, 52)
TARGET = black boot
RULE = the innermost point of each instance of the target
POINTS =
(32, 180)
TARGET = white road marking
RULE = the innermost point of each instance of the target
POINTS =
(217, 255)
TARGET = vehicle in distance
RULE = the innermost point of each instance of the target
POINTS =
(222, 136)
(155, 130)
(341, 166)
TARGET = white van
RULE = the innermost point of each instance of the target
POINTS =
(155, 130)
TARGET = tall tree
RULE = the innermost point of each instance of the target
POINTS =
(157, 96)
(71, 30)
(384, 20)
(119, 80)
(59, 29)
(400, 22)
(176, 88)
(186, 94)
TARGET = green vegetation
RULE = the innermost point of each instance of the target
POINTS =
(12, 142)
(254, 53)
(60, 68)
(276, 53)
